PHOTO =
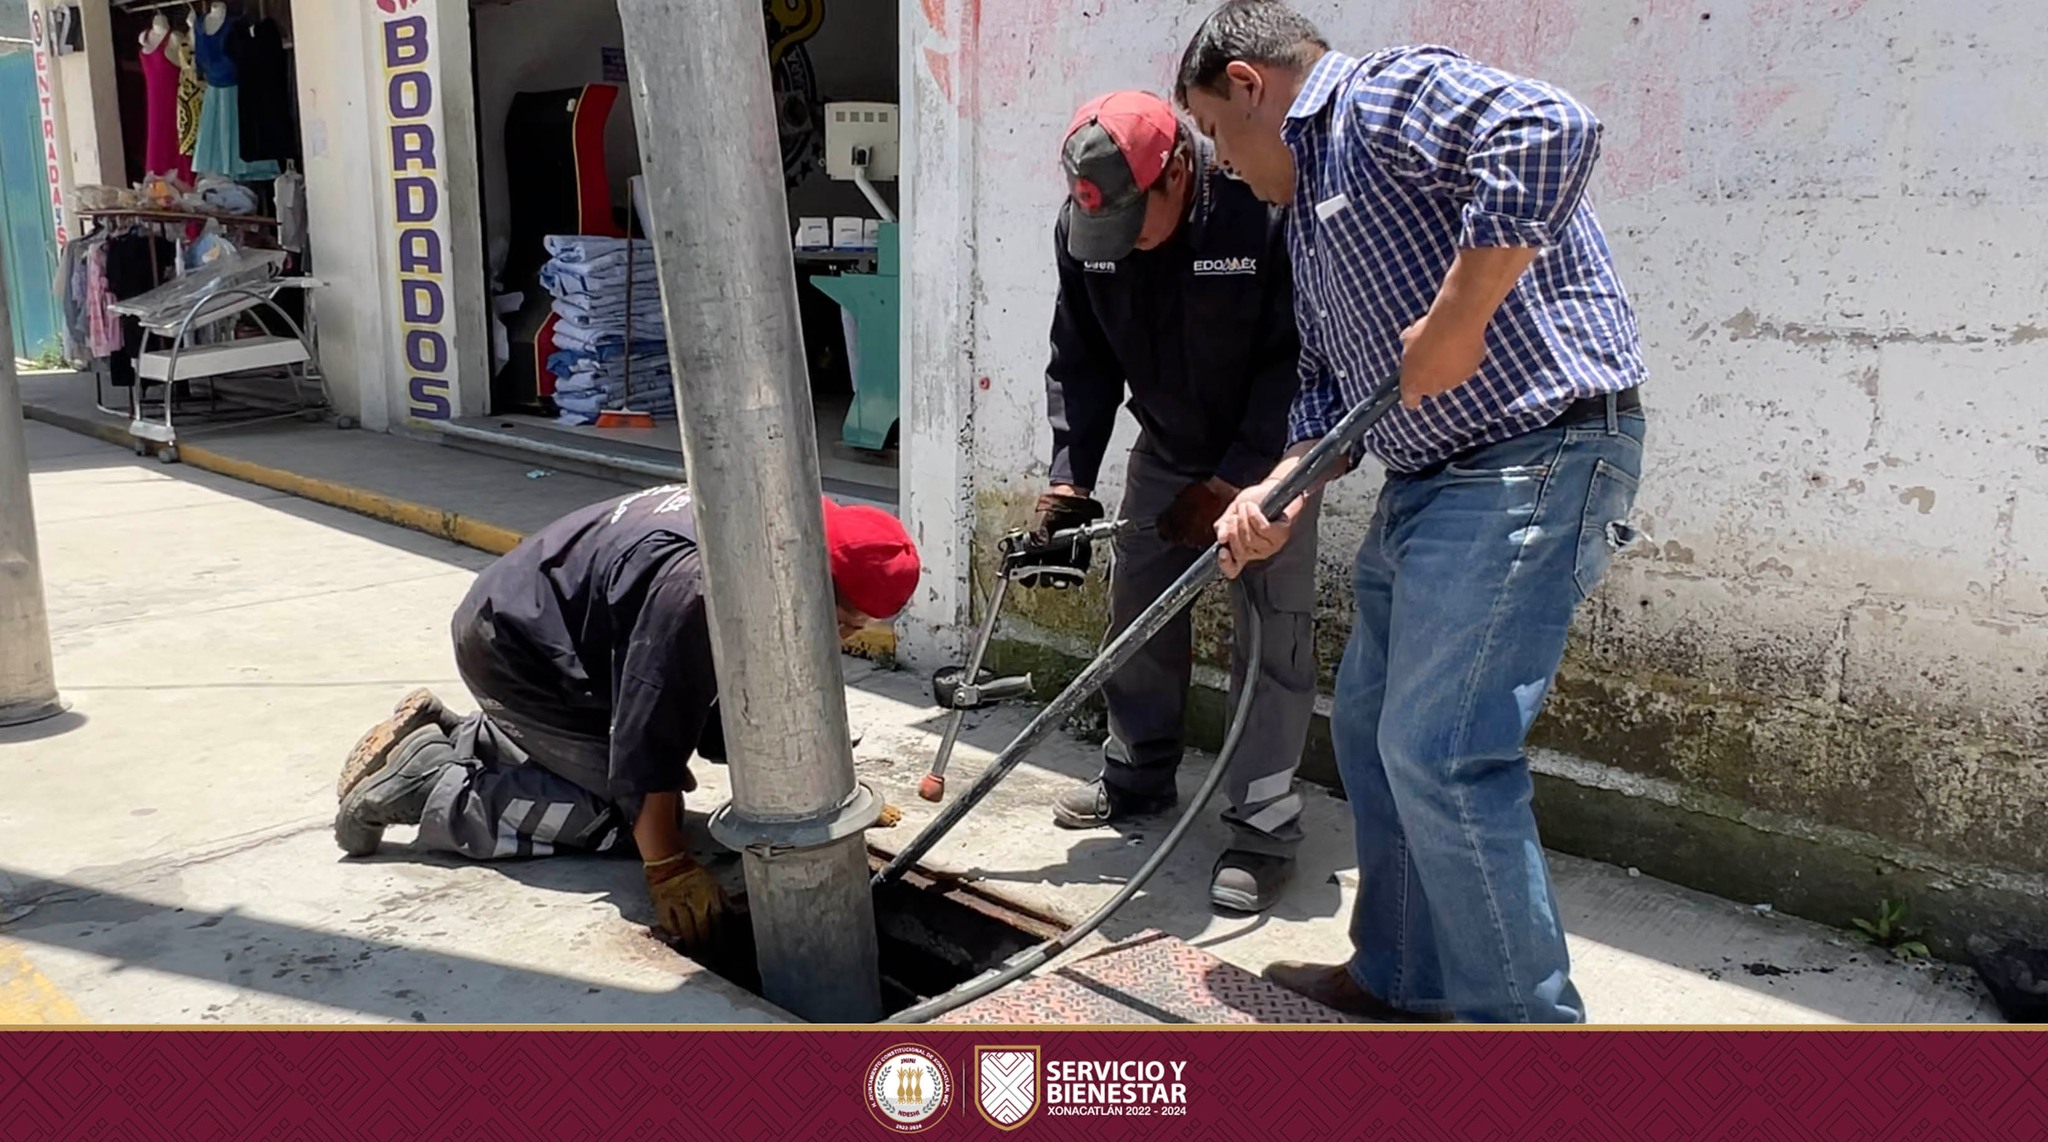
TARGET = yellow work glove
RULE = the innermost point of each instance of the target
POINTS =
(688, 903)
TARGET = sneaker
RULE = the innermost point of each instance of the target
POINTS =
(413, 712)
(393, 794)
(1097, 803)
(1332, 986)
(1248, 881)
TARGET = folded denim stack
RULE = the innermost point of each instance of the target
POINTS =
(586, 386)
(601, 341)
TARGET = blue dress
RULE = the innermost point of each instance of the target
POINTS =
(219, 150)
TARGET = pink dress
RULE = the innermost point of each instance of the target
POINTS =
(160, 75)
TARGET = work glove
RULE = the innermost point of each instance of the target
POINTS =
(688, 903)
(1031, 557)
(1191, 520)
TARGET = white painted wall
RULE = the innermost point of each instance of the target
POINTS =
(1831, 215)
(340, 107)
(349, 206)
(91, 106)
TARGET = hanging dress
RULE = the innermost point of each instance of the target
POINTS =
(220, 117)
(191, 98)
(269, 124)
(160, 91)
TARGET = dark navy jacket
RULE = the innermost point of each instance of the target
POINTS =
(595, 625)
(1200, 329)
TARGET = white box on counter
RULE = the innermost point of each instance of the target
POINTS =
(813, 233)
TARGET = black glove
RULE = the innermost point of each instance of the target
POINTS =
(1191, 520)
(1033, 559)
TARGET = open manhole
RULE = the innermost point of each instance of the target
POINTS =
(933, 936)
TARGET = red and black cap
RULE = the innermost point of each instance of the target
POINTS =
(1116, 149)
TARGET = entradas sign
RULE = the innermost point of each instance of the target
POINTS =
(55, 151)
(419, 207)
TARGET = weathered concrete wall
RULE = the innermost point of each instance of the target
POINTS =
(1831, 217)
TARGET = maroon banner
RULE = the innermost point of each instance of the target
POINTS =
(988, 1082)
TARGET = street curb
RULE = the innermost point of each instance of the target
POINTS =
(454, 527)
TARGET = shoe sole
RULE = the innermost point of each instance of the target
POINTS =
(1239, 902)
(1066, 820)
(415, 711)
(368, 838)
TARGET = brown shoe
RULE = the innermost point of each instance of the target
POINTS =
(1332, 986)
(415, 711)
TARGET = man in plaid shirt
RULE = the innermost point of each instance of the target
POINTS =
(1440, 232)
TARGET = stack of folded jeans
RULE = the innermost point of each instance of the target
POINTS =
(608, 354)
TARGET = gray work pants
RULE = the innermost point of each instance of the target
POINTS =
(515, 788)
(1148, 698)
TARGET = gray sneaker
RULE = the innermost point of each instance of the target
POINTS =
(1097, 803)
(395, 793)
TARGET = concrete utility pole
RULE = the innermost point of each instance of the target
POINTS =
(719, 222)
(28, 684)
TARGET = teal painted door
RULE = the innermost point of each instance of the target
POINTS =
(26, 232)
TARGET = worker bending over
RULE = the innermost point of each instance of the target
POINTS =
(1441, 231)
(1173, 281)
(589, 654)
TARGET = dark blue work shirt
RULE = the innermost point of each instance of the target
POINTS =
(595, 625)
(1201, 330)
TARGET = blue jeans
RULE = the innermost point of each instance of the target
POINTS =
(1466, 584)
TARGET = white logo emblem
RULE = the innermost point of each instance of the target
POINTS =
(1006, 1085)
(1206, 266)
(1099, 267)
(908, 1088)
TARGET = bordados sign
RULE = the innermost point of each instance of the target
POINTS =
(419, 219)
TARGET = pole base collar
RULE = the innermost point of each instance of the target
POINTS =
(22, 713)
(770, 838)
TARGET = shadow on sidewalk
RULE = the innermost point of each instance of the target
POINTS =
(391, 978)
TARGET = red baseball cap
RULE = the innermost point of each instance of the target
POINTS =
(874, 564)
(1116, 148)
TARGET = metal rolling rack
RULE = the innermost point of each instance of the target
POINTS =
(191, 346)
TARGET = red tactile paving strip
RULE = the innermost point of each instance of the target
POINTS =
(1151, 978)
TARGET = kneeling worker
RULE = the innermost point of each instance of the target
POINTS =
(589, 654)
(1174, 281)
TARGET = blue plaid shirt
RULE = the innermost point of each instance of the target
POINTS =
(1402, 159)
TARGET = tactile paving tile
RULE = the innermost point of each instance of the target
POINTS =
(1151, 978)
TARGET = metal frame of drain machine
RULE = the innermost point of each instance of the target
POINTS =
(1319, 461)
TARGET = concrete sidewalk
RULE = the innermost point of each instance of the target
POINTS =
(165, 857)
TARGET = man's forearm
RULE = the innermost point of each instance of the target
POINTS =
(656, 831)
(1478, 282)
(1292, 458)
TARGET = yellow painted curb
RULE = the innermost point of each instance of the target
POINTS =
(27, 997)
(878, 643)
(452, 526)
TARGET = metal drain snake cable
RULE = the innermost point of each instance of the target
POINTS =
(1319, 461)
(1031, 959)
